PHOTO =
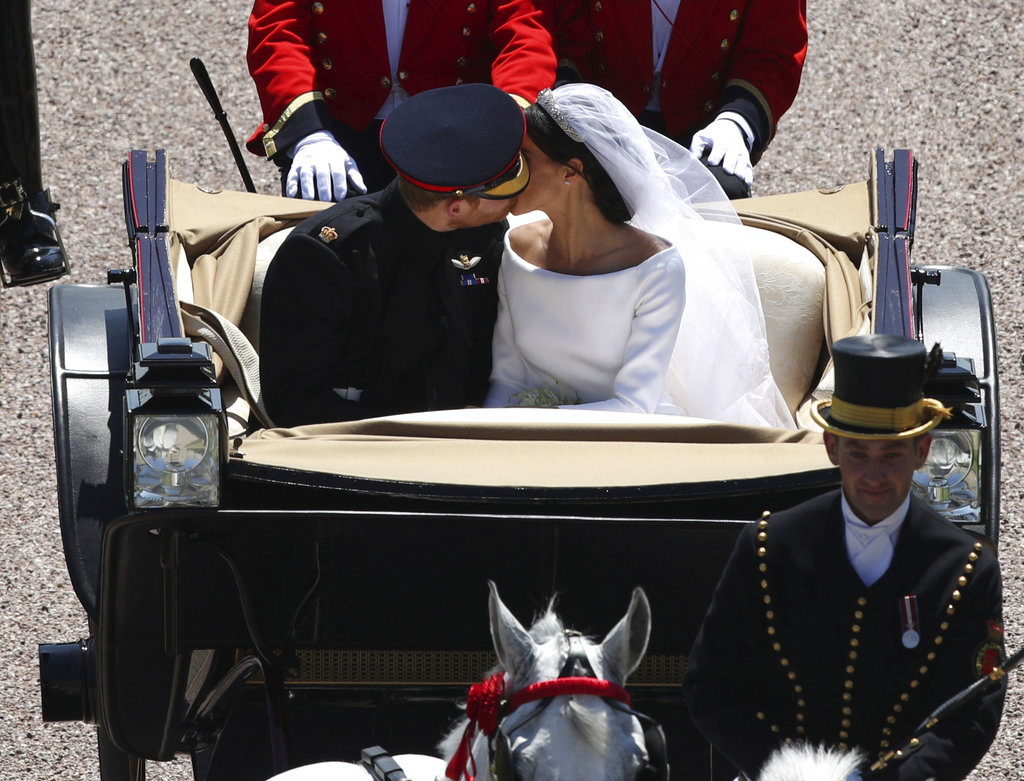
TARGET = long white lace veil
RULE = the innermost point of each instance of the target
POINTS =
(720, 368)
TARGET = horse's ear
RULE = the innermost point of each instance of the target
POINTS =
(512, 643)
(625, 645)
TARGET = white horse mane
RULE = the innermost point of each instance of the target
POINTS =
(804, 762)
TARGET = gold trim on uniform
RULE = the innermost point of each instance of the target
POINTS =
(269, 144)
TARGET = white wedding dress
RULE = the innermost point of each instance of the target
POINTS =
(599, 342)
(681, 332)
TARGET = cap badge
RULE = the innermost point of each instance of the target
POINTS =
(464, 262)
(328, 234)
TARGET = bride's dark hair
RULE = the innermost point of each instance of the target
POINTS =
(552, 141)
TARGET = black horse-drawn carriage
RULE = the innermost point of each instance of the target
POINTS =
(263, 597)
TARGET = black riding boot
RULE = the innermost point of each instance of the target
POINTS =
(31, 250)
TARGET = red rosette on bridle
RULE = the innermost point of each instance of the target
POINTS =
(483, 709)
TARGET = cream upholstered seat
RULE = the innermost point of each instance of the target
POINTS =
(791, 283)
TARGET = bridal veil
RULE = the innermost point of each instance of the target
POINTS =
(720, 368)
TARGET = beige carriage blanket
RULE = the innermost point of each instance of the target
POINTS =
(547, 448)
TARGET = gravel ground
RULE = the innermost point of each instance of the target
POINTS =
(939, 78)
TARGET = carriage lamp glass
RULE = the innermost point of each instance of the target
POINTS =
(176, 460)
(951, 476)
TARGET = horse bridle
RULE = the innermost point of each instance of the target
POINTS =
(576, 677)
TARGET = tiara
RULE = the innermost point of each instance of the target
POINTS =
(546, 100)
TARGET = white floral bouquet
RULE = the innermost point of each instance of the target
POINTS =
(544, 397)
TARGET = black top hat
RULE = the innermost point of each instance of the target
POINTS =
(880, 389)
(462, 140)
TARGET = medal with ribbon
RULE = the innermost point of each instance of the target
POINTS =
(911, 623)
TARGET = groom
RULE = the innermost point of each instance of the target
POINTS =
(848, 619)
(385, 303)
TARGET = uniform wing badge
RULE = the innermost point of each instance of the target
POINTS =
(464, 262)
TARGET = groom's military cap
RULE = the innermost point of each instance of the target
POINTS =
(463, 140)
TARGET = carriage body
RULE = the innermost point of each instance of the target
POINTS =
(295, 595)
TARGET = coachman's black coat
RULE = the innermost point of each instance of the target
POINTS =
(795, 646)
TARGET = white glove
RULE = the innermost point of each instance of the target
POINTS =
(322, 169)
(728, 148)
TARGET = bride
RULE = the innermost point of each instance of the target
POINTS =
(619, 299)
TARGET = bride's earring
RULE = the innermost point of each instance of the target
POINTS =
(566, 182)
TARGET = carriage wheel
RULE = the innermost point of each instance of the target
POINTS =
(115, 764)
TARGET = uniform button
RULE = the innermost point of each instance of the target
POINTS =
(725, 43)
(385, 82)
(266, 127)
(716, 76)
(599, 36)
(330, 93)
(598, 5)
(461, 62)
(318, 8)
(471, 8)
(402, 75)
(647, 91)
(328, 63)
(601, 68)
(459, 81)
(664, 85)
(321, 38)
(466, 32)
(734, 15)
(708, 106)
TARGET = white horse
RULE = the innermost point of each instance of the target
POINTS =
(556, 709)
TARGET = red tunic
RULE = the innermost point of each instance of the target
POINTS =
(757, 46)
(330, 57)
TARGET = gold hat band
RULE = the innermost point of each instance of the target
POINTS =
(887, 419)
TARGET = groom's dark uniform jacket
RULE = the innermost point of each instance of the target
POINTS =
(366, 299)
(794, 645)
